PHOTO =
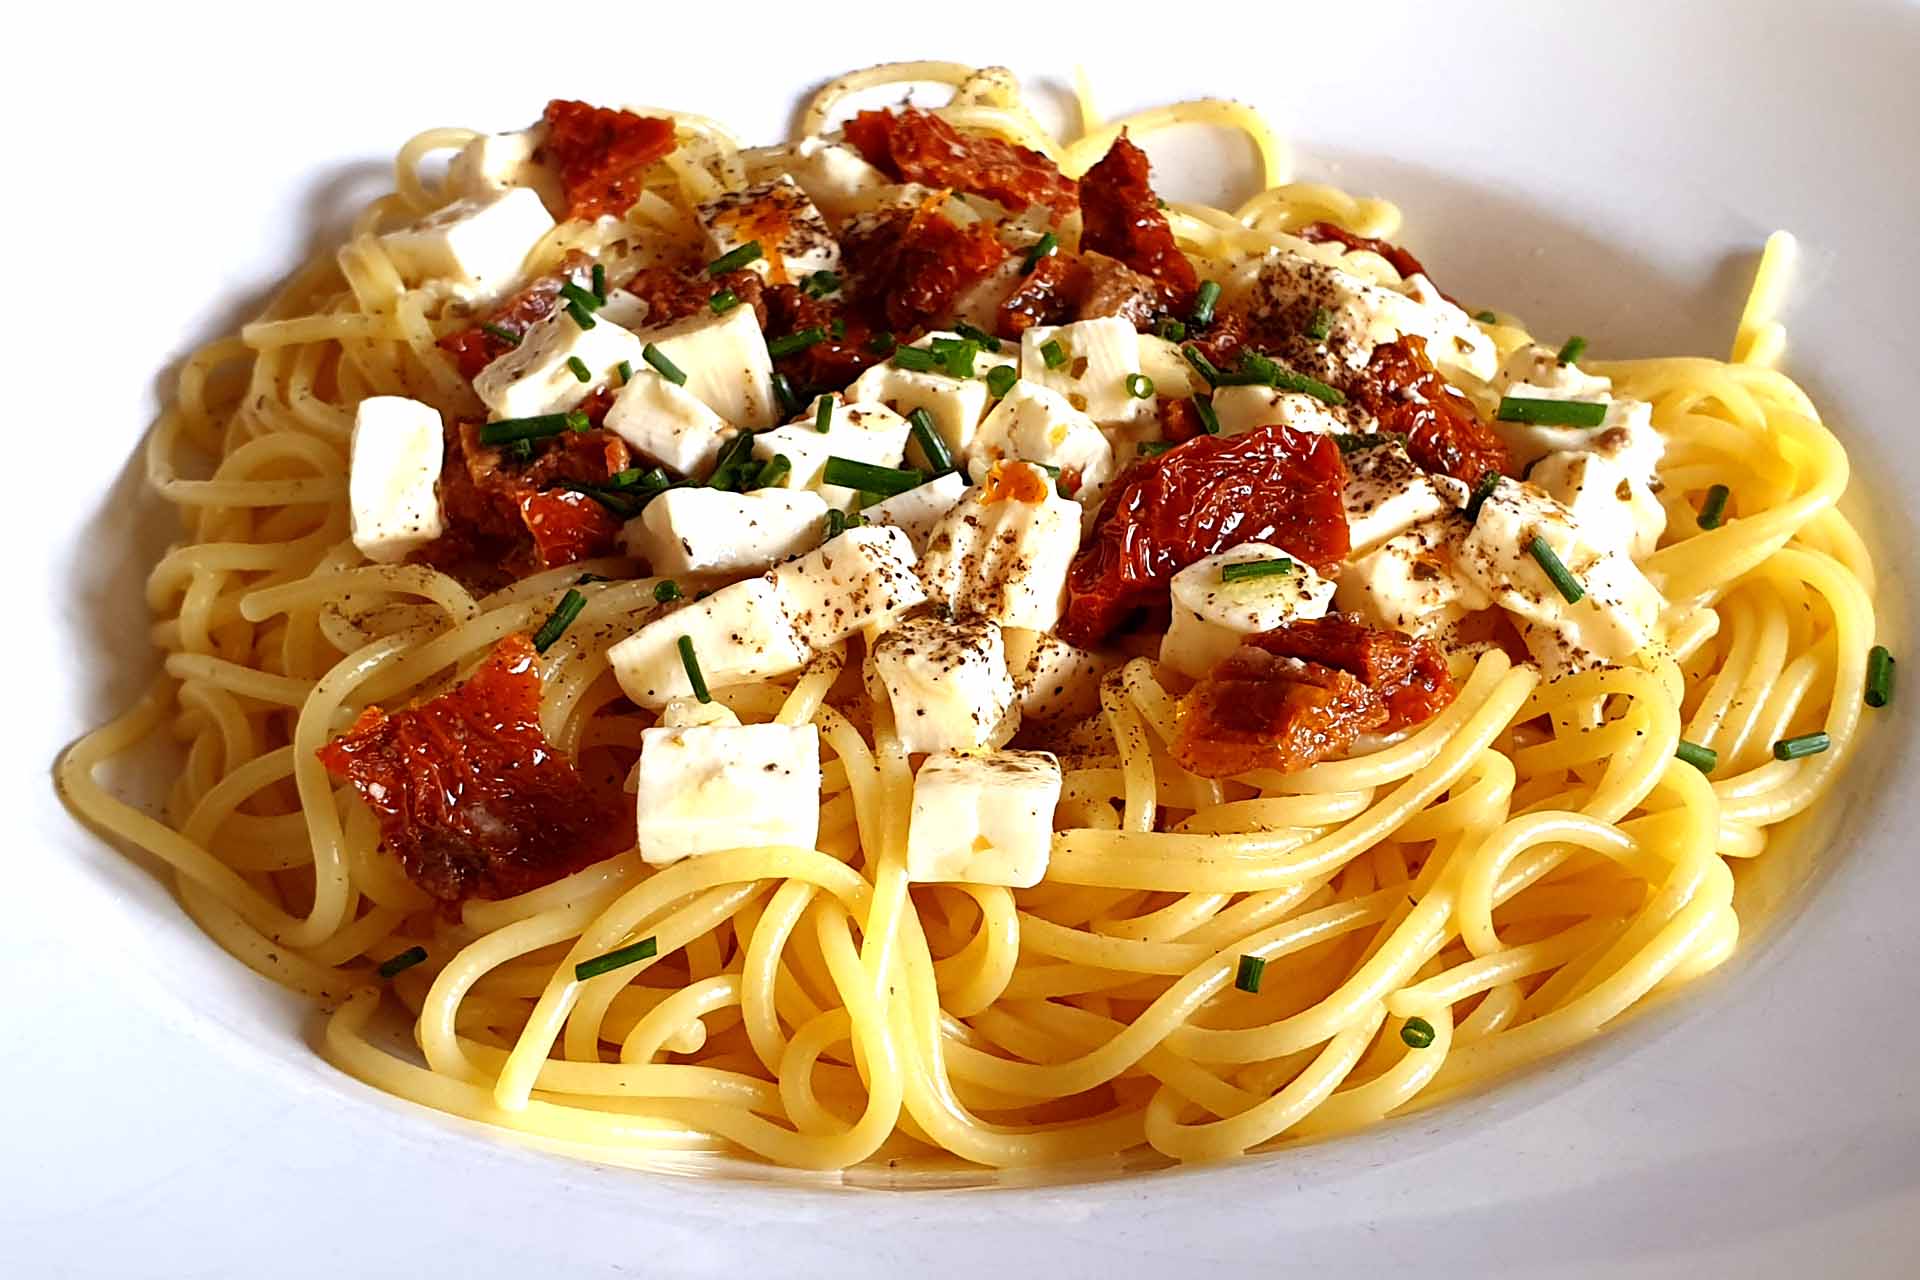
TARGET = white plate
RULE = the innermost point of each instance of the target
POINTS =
(1610, 170)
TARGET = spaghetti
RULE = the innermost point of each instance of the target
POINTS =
(1210, 966)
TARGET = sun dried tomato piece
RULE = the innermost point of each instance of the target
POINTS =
(911, 145)
(1408, 673)
(476, 348)
(567, 526)
(471, 797)
(1045, 295)
(1303, 692)
(1257, 710)
(1402, 389)
(1274, 485)
(601, 154)
(911, 265)
(831, 364)
(1179, 420)
(1123, 220)
(673, 293)
(1399, 259)
(514, 516)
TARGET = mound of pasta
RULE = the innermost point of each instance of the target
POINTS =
(905, 646)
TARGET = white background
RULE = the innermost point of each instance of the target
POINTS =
(1606, 168)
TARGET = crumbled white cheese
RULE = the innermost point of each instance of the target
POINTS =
(794, 239)
(1615, 509)
(864, 577)
(395, 454)
(1244, 409)
(1094, 360)
(983, 819)
(1412, 581)
(1172, 376)
(667, 424)
(918, 511)
(1003, 552)
(474, 246)
(956, 405)
(1388, 492)
(709, 788)
(835, 176)
(1032, 423)
(713, 531)
(740, 633)
(725, 361)
(1212, 615)
(497, 161)
(1454, 342)
(870, 433)
(1053, 679)
(539, 375)
(948, 683)
(1627, 435)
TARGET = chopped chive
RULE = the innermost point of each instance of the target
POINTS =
(1482, 490)
(586, 578)
(1172, 330)
(1203, 303)
(820, 284)
(1416, 1033)
(1486, 317)
(986, 340)
(625, 479)
(600, 282)
(578, 368)
(1714, 509)
(838, 522)
(1256, 370)
(775, 472)
(1551, 413)
(794, 343)
(1879, 676)
(734, 464)
(1154, 448)
(575, 294)
(1053, 353)
(882, 342)
(396, 965)
(691, 664)
(625, 368)
(823, 414)
(1000, 379)
(957, 357)
(508, 430)
(723, 302)
(645, 949)
(559, 620)
(1320, 324)
(916, 359)
(1807, 744)
(1568, 586)
(655, 479)
(932, 447)
(1247, 570)
(1139, 386)
(1702, 758)
(1203, 366)
(850, 473)
(735, 259)
(507, 336)
(837, 329)
(1251, 970)
(666, 591)
(578, 421)
(1575, 347)
(790, 401)
(581, 316)
(664, 367)
(1209, 420)
(1042, 248)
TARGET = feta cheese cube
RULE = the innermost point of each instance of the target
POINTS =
(538, 376)
(1627, 435)
(625, 308)
(667, 424)
(956, 405)
(713, 531)
(1614, 617)
(1289, 288)
(1412, 581)
(395, 454)
(1211, 615)
(1004, 550)
(476, 245)
(1035, 424)
(1540, 369)
(708, 788)
(726, 362)
(1100, 355)
(983, 819)
(1388, 492)
(741, 632)
(836, 177)
(1454, 342)
(1053, 679)
(948, 683)
(795, 240)
(1613, 508)
(862, 578)
(860, 432)
(1172, 376)
(917, 511)
(1244, 409)
(499, 161)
